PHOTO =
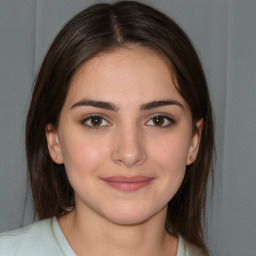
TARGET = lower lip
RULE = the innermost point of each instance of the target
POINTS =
(128, 186)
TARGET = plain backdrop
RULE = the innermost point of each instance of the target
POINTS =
(224, 34)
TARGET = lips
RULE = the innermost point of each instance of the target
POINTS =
(124, 183)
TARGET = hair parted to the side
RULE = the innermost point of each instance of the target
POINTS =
(104, 28)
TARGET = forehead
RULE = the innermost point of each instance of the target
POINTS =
(138, 73)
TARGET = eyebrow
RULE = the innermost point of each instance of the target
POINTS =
(95, 103)
(113, 107)
(160, 103)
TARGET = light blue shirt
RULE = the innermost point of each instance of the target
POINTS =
(45, 237)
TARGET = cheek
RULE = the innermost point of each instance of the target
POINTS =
(171, 152)
(82, 155)
(169, 158)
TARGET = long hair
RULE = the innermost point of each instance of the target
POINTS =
(101, 28)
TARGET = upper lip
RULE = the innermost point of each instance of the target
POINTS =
(126, 179)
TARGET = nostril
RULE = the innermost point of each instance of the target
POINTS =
(130, 160)
(128, 148)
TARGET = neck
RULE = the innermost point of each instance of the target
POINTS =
(85, 233)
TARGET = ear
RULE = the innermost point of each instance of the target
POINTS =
(53, 143)
(195, 142)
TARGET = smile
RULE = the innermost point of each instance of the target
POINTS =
(124, 183)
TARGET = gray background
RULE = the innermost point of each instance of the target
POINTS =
(223, 32)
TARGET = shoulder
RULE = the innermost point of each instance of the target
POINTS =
(187, 249)
(29, 240)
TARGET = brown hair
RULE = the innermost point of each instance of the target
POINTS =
(101, 28)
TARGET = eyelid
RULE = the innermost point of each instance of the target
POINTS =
(166, 116)
(171, 121)
(88, 117)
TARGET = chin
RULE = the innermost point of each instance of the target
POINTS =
(133, 216)
(128, 220)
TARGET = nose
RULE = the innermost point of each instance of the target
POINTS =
(129, 148)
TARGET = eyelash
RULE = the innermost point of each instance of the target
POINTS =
(170, 120)
(83, 122)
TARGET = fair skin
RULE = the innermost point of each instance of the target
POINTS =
(126, 157)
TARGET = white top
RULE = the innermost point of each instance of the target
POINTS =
(45, 237)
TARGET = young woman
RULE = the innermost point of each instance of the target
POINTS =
(119, 139)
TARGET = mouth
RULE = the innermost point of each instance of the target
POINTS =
(124, 183)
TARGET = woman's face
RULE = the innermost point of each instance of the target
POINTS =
(124, 136)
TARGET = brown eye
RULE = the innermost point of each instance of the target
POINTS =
(161, 121)
(158, 120)
(95, 121)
